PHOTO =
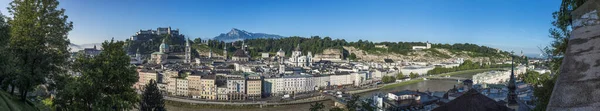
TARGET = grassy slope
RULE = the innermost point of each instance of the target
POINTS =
(12, 103)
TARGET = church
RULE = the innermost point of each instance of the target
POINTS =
(164, 55)
(298, 60)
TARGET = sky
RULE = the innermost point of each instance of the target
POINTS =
(510, 25)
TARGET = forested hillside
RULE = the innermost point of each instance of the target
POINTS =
(317, 44)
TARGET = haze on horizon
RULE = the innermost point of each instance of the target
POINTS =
(510, 25)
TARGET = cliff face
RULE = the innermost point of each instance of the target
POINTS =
(429, 55)
(577, 87)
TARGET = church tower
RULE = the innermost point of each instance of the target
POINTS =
(164, 48)
(225, 51)
(210, 53)
(188, 52)
(138, 56)
(512, 95)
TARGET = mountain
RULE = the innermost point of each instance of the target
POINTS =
(237, 34)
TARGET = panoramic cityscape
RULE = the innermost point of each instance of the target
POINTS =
(299, 55)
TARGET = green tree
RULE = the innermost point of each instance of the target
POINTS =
(105, 83)
(399, 76)
(4, 56)
(353, 103)
(318, 106)
(336, 109)
(152, 98)
(561, 34)
(413, 75)
(367, 105)
(352, 56)
(38, 42)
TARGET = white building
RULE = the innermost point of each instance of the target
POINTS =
(422, 47)
(289, 84)
(492, 77)
(421, 70)
(298, 60)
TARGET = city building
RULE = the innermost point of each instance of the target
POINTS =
(422, 47)
(405, 100)
(492, 77)
(236, 88)
(254, 86)
(195, 85)
(334, 55)
(91, 51)
(298, 60)
(208, 87)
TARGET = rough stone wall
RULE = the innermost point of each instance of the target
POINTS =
(578, 86)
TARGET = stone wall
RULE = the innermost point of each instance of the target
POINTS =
(578, 86)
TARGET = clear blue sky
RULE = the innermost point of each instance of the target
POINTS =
(505, 24)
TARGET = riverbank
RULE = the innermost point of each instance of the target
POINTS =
(469, 71)
(402, 83)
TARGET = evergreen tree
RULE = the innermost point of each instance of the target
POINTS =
(38, 42)
(152, 98)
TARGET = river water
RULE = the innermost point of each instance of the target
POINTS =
(431, 85)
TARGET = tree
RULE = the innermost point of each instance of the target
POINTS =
(152, 98)
(5, 72)
(352, 56)
(367, 105)
(399, 75)
(336, 109)
(318, 106)
(105, 83)
(38, 42)
(353, 103)
(413, 75)
(387, 79)
(561, 34)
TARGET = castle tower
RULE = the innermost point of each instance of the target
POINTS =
(428, 45)
(188, 52)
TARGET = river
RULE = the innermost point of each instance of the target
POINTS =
(431, 85)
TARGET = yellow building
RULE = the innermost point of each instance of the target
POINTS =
(208, 87)
(182, 87)
(254, 88)
(144, 78)
(195, 85)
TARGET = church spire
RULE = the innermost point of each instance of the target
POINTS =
(512, 96)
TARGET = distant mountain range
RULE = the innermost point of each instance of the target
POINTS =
(237, 34)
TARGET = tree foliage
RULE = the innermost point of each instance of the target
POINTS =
(353, 103)
(317, 106)
(105, 83)
(413, 75)
(152, 98)
(38, 42)
(388, 79)
(561, 34)
(366, 105)
(399, 76)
